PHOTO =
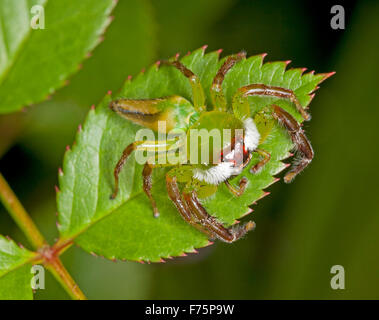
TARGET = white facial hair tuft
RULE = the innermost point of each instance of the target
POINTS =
(216, 174)
(252, 135)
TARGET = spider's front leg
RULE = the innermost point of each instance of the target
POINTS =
(217, 95)
(194, 213)
(298, 137)
(212, 225)
(300, 140)
(241, 110)
(197, 89)
(239, 99)
(181, 205)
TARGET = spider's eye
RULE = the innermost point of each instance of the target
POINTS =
(238, 155)
(246, 154)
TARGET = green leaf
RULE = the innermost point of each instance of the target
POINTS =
(51, 125)
(35, 62)
(15, 274)
(124, 228)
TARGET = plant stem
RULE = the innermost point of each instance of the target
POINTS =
(20, 216)
(49, 256)
(64, 278)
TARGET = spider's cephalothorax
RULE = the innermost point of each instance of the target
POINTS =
(224, 163)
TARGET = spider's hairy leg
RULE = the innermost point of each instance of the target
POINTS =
(299, 139)
(266, 158)
(147, 184)
(182, 206)
(137, 145)
(218, 98)
(197, 89)
(174, 110)
(240, 97)
(211, 224)
(152, 163)
(241, 188)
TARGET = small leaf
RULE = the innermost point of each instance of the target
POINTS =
(15, 274)
(35, 62)
(124, 228)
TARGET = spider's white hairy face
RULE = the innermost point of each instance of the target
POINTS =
(224, 170)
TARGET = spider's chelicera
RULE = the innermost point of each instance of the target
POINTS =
(192, 177)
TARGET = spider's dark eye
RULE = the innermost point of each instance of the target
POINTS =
(246, 156)
(238, 154)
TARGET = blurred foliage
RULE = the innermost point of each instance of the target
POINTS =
(60, 45)
(328, 216)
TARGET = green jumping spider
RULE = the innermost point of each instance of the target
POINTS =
(180, 113)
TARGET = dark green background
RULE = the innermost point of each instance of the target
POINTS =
(329, 216)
